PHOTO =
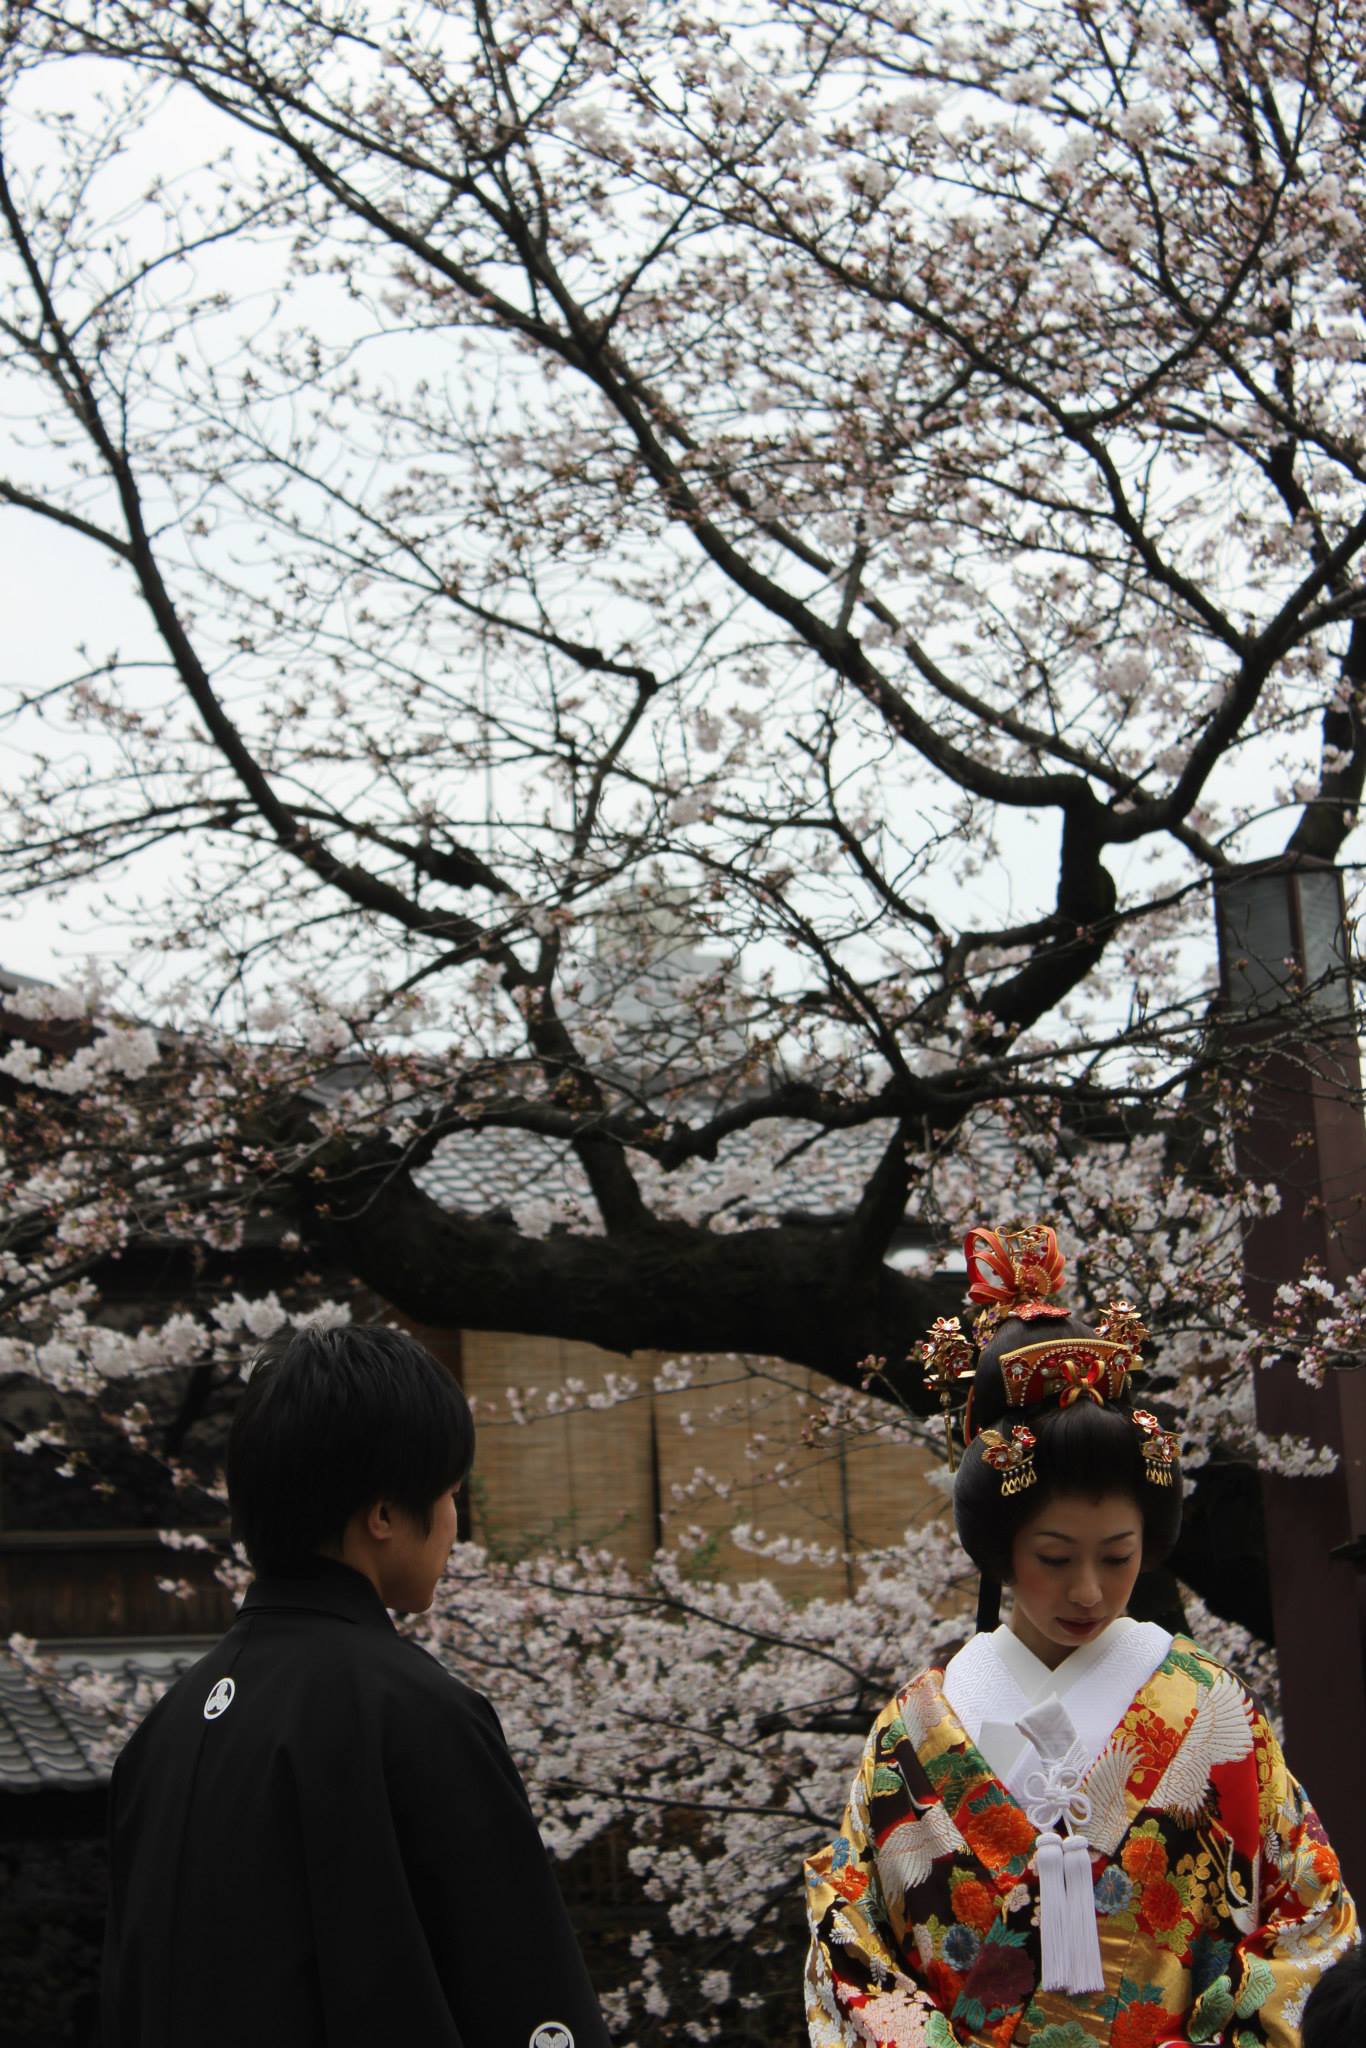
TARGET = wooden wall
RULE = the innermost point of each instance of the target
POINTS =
(103, 1582)
(584, 1476)
(727, 1450)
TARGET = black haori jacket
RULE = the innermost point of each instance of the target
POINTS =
(318, 1840)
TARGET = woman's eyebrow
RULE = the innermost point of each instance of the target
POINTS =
(1057, 1536)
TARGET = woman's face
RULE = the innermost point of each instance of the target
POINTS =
(1072, 1571)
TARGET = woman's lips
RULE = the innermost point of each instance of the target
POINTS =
(1079, 1628)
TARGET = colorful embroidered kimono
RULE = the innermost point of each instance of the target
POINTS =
(1217, 1897)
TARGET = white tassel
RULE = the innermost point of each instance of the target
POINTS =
(1081, 1936)
(1054, 1798)
(1048, 1861)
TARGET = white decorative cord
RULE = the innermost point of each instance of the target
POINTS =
(1054, 1794)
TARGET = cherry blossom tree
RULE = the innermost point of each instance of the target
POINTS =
(708, 581)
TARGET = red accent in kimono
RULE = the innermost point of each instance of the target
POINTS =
(1236, 1789)
(1140, 2026)
(1162, 1906)
(999, 1833)
(973, 1904)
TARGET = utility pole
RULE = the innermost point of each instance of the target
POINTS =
(1287, 1009)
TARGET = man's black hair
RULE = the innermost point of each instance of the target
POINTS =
(1335, 2014)
(333, 1420)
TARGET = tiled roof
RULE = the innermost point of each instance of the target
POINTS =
(505, 1169)
(46, 1741)
(752, 1177)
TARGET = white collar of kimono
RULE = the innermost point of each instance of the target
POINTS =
(995, 1680)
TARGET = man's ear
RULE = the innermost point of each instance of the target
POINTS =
(379, 1521)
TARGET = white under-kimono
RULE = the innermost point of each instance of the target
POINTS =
(995, 1681)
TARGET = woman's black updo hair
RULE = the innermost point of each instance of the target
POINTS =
(1084, 1451)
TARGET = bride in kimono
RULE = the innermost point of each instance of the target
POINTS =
(1082, 1830)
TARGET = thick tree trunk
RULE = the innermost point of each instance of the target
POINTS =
(796, 1291)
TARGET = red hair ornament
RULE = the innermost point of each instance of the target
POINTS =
(1020, 1274)
(1160, 1449)
(1013, 1273)
(1070, 1368)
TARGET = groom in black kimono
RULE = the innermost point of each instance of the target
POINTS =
(318, 1838)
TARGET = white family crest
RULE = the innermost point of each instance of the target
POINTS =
(220, 1699)
(551, 2034)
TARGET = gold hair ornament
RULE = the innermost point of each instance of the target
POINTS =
(1123, 1324)
(1068, 1368)
(1160, 1449)
(1012, 1457)
(946, 1357)
(1020, 1274)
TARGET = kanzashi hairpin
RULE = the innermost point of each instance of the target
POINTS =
(1066, 1369)
(1161, 1451)
(946, 1357)
(1012, 1456)
(1123, 1324)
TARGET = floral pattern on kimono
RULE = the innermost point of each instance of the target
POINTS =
(1218, 1898)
